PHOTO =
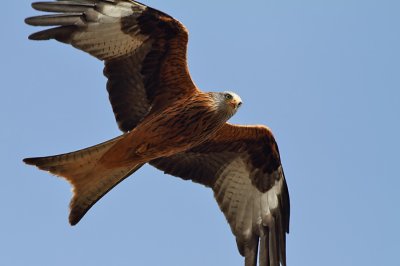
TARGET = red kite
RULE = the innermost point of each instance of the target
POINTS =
(167, 122)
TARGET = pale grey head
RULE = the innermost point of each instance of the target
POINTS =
(227, 102)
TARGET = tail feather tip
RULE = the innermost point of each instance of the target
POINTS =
(30, 161)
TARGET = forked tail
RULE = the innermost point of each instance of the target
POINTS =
(90, 179)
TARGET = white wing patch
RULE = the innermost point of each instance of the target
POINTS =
(244, 206)
(233, 192)
(103, 36)
(121, 9)
(106, 41)
(269, 201)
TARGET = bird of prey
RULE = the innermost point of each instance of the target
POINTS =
(167, 122)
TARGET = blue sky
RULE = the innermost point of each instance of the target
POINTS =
(324, 75)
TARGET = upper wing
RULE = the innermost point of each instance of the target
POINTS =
(242, 166)
(144, 51)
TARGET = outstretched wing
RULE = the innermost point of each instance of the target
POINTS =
(242, 166)
(144, 51)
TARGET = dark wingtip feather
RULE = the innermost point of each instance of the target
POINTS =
(63, 6)
(62, 34)
(39, 36)
(35, 5)
(29, 21)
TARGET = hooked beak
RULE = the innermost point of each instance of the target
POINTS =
(235, 104)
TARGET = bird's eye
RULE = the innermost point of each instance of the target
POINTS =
(228, 96)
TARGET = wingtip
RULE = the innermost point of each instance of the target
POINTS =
(62, 34)
(37, 36)
(36, 5)
(32, 37)
(33, 4)
(29, 21)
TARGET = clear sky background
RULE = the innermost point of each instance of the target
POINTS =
(324, 75)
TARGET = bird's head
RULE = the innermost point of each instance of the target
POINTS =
(228, 101)
(232, 100)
